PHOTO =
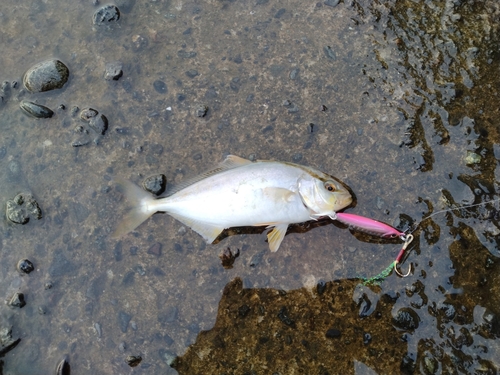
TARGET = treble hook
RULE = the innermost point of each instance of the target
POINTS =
(407, 239)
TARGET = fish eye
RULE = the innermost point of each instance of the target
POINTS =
(330, 186)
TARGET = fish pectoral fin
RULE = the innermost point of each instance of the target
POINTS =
(208, 231)
(279, 194)
(275, 236)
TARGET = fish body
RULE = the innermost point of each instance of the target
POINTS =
(243, 193)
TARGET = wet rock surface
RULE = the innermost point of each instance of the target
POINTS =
(45, 76)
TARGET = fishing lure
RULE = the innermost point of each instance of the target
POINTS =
(377, 228)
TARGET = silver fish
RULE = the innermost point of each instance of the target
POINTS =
(242, 193)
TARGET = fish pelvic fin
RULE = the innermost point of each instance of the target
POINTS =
(140, 207)
(275, 236)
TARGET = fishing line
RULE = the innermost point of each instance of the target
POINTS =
(408, 238)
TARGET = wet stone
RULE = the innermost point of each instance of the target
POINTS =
(333, 333)
(332, 3)
(201, 110)
(133, 360)
(155, 249)
(22, 208)
(406, 319)
(285, 319)
(45, 76)
(321, 287)
(36, 110)
(105, 15)
(155, 184)
(160, 86)
(113, 71)
(330, 53)
(192, 73)
(17, 300)
(63, 367)
(227, 257)
(25, 266)
(123, 320)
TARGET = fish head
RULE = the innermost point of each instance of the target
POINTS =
(323, 195)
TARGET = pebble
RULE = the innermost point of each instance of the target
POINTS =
(123, 320)
(105, 15)
(155, 249)
(22, 208)
(36, 110)
(25, 266)
(45, 76)
(406, 319)
(155, 184)
(17, 300)
(133, 360)
(332, 3)
(333, 333)
(160, 86)
(192, 73)
(113, 71)
(201, 110)
(330, 53)
(285, 319)
(63, 367)
(227, 257)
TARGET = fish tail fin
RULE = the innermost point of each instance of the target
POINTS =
(140, 207)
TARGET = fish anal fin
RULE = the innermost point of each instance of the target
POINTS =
(275, 236)
(207, 231)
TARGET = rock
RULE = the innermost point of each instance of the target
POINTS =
(22, 208)
(201, 110)
(406, 319)
(285, 319)
(113, 71)
(123, 320)
(17, 300)
(332, 3)
(25, 266)
(160, 86)
(133, 360)
(155, 184)
(333, 333)
(7, 343)
(105, 15)
(63, 367)
(97, 125)
(227, 257)
(36, 110)
(192, 73)
(45, 76)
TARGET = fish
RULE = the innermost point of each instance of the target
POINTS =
(241, 193)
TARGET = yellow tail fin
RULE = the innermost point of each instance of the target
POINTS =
(140, 207)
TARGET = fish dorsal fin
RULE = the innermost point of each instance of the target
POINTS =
(275, 236)
(230, 162)
(207, 231)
